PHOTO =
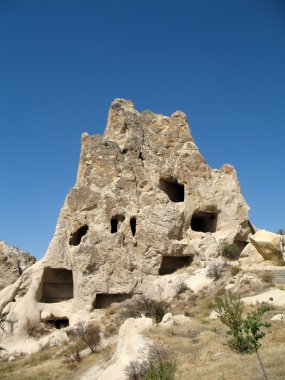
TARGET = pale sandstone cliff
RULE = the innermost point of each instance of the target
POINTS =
(144, 204)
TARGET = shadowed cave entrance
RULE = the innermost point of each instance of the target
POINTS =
(170, 264)
(76, 236)
(57, 285)
(104, 300)
(204, 222)
(58, 323)
(172, 188)
(116, 221)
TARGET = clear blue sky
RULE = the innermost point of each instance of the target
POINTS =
(63, 61)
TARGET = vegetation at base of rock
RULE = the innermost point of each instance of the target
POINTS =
(215, 269)
(89, 334)
(181, 287)
(229, 251)
(72, 358)
(147, 307)
(159, 365)
(235, 270)
(35, 329)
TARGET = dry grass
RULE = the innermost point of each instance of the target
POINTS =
(47, 365)
(201, 346)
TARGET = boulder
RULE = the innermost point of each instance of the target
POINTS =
(268, 246)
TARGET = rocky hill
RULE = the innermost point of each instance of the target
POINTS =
(148, 230)
(12, 263)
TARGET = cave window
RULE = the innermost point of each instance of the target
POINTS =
(104, 300)
(57, 285)
(141, 156)
(58, 323)
(76, 236)
(204, 222)
(170, 264)
(133, 224)
(172, 188)
(116, 222)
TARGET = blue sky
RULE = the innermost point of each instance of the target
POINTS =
(62, 62)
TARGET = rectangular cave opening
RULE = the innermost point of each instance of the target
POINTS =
(57, 285)
(204, 221)
(104, 300)
(170, 264)
(172, 188)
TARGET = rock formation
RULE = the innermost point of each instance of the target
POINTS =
(145, 204)
(12, 263)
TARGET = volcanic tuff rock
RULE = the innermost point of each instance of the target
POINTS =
(12, 263)
(145, 203)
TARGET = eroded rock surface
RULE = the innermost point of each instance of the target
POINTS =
(12, 263)
(145, 204)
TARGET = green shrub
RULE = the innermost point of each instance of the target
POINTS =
(230, 251)
(246, 333)
(160, 365)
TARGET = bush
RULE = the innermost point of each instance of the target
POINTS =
(34, 328)
(90, 334)
(147, 307)
(215, 269)
(235, 270)
(181, 287)
(160, 365)
(230, 251)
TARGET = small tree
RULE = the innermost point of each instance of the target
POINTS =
(246, 333)
(90, 334)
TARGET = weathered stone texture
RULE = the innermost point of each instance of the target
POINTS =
(12, 263)
(143, 191)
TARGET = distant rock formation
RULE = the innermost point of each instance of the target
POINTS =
(145, 204)
(12, 263)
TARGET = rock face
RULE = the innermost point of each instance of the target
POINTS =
(145, 204)
(269, 246)
(12, 263)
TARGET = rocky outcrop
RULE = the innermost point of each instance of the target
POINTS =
(269, 246)
(145, 204)
(12, 263)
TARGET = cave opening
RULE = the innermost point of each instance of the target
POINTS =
(116, 222)
(172, 188)
(104, 300)
(204, 222)
(133, 224)
(57, 285)
(170, 264)
(58, 323)
(76, 236)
